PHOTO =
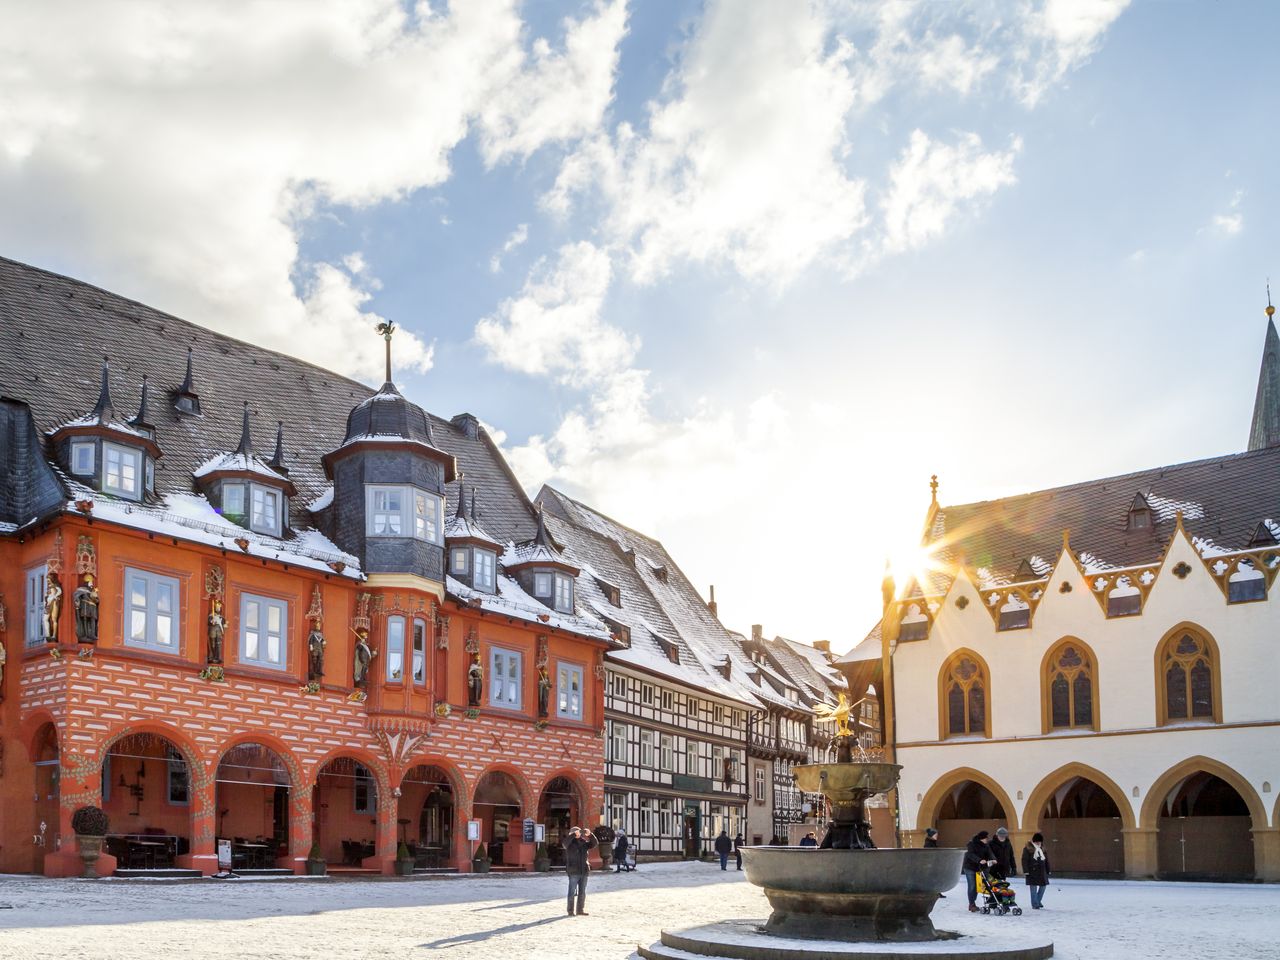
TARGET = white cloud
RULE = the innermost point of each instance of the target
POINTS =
(175, 156)
(517, 238)
(931, 180)
(1231, 221)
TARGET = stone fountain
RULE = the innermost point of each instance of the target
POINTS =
(847, 898)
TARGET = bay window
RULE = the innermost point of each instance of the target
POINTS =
(395, 649)
(83, 459)
(419, 651)
(398, 511)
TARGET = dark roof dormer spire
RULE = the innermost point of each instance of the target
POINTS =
(387, 328)
(103, 410)
(1264, 431)
(462, 503)
(475, 504)
(246, 443)
(542, 538)
(187, 400)
(140, 421)
(276, 462)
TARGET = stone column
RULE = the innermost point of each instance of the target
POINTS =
(1266, 853)
(203, 854)
(301, 828)
(387, 837)
(1140, 852)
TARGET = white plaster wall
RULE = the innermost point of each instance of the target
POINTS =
(1248, 639)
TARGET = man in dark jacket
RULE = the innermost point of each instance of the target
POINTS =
(738, 843)
(576, 867)
(724, 847)
(977, 855)
(931, 839)
(1002, 850)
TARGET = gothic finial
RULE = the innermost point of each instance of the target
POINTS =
(475, 505)
(102, 410)
(1271, 311)
(542, 537)
(188, 401)
(933, 487)
(141, 419)
(387, 328)
(462, 503)
(277, 459)
(246, 444)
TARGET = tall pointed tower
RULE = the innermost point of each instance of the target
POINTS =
(1265, 430)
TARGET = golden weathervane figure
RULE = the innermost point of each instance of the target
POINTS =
(839, 715)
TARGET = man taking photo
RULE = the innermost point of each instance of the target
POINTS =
(576, 849)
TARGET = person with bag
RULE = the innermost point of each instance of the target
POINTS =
(1035, 865)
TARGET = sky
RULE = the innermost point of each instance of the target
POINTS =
(741, 275)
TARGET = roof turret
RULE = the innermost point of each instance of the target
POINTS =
(1264, 431)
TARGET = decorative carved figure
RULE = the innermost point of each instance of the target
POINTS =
(213, 582)
(217, 627)
(52, 607)
(86, 559)
(475, 681)
(315, 653)
(85, 601)
(363, 655)
(544, 690)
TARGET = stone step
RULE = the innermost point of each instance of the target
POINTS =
(162, 873)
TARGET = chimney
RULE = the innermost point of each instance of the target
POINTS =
(711, 604)
(757, 632)
(468, 424)
(823, 647)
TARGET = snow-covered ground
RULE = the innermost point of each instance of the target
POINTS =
(523, 916)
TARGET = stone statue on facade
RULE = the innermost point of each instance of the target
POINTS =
(217, 627)
(475, 681)
(315, 653)
(52, 607)
(363, 655)
(544, 691)
(85, 601)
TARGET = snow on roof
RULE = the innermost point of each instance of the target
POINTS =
(236, 463)
(516, 554)
(94, 420)
(322, 502)
(868, 648)
(512, 601)
(458, 528)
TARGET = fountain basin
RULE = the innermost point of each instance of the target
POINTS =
(846, 781)
(852, 894)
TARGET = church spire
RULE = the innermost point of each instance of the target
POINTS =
(1265, 430)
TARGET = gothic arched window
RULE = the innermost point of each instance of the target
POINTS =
(966, 709)
(1070, 687)
(1187, 674)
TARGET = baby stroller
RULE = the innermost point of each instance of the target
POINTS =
(629, 858)
(997, 895)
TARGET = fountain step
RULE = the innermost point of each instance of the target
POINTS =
(742, 940)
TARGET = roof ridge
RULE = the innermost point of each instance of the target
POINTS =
(1080, 484)
(603, 516)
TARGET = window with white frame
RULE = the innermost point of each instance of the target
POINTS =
(151, 606)
(264, 517)
(263, 622)
(664, 818)
(646, 694)
(564, 593)
(37, 581)
(664, 752)
(569, 691)
(668, 700)
(458, 560)
(619, 685)
(82, 457)
(386, 508)
(618, 810)
(646, 748)
(717, 760)
(426, 516)
(759, 794)
(179, 777)
(646, 816)
(419, 651)
(619, 741)
(504, 679)
(484, 575)
(365, 797)
(691, 757)
(395, 649)
(122, 470)
(233, 499)
(542, 585)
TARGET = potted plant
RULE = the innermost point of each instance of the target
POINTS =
(90, 826)
(480, 861)
(404, 860)
(315, 861)
(605, 838)
(542, 859)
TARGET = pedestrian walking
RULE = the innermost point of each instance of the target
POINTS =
(1002, 850)
(620, 851)
(931, 839)
(738, 843)
(1035, 866)
(580, 843)
(810, 839)
(977, 854)
(724, 847)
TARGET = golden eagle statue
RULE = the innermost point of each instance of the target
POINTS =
(839, 715)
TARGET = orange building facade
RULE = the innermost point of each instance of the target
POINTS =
(275, 690)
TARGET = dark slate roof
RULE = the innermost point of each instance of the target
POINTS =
(29, 487)
(1222, 500)
(1264, 431)
(54, 332)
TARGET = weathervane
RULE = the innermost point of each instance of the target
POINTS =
(387, 328)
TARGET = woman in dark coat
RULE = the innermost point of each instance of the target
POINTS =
(620, 852)
(977, 855)
(1035, 864)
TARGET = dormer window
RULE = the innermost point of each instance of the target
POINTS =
(402, 512)
(122, 470)
(564, 593)
(554, 589)
(1139, 513)
(233, 499)
(265, 514)
(83, 459)
(484, 576)
(458, 562)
